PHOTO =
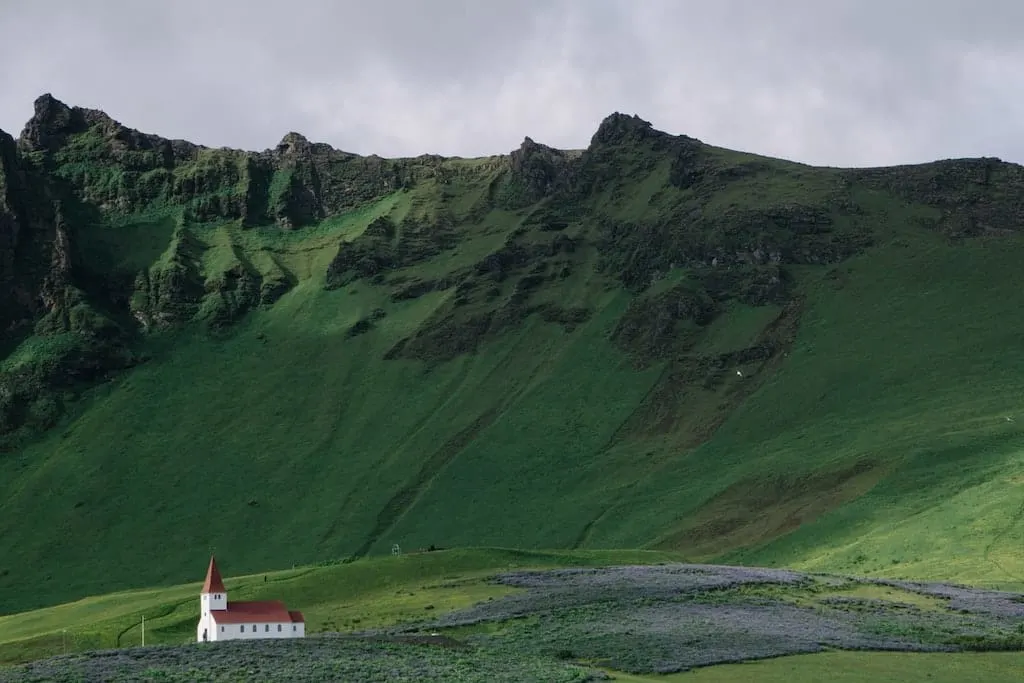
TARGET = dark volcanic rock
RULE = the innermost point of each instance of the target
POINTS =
(651, 324)
(11, 187)
(973, 196)
(51, 123)
(536, 172)
(619, 128)
(380, 249)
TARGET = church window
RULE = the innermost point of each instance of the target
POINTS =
(279, 628)
(242, 628)
(266, 627)
(293, 627)
(222, 629)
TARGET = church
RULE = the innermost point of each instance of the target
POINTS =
(221, 620)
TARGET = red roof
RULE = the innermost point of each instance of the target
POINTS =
(213, 584)
(257, 611)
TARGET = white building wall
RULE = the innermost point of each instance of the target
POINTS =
(212, 601)
(262, 632)
(207, 603)
(208, 624)
(205, 622)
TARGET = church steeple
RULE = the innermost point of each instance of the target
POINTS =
(213, 583)
(214, 596)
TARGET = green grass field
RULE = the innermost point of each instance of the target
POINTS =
(856, 667)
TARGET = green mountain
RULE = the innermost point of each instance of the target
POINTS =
(302, 354)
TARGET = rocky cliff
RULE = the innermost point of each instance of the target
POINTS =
(102, 237)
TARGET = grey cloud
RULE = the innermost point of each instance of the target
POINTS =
(843, 82)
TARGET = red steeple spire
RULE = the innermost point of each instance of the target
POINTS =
(213, 584)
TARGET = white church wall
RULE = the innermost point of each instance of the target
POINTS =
(262, 631)
(212, 601)
(205, 623)
(218, 600)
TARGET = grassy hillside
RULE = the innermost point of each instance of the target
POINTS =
(302, 355)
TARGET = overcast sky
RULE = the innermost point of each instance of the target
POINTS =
(837, 82)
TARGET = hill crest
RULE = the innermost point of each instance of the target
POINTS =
(53, 120)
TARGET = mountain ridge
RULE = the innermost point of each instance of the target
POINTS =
(49, 110)
(47, 107)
